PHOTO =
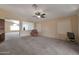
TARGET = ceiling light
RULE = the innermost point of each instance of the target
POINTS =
(38, 12)
(38, 16)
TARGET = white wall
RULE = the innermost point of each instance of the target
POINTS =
(58, 28)
(64, 26)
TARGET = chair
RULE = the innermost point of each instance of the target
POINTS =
(71, 36)
(34, 32)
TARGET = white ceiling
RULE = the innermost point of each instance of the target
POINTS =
(52, 10)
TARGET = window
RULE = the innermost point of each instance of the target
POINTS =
(14, 27)
(27, 26)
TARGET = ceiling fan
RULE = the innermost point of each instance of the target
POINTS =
(37, 12)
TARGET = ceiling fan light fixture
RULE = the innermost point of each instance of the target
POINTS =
(39, 16)
(38, 12)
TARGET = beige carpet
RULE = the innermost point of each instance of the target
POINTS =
(37, 46)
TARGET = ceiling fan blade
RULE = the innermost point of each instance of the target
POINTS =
(37, 13)
(35, 6)
(35, 17)
(43, 15)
